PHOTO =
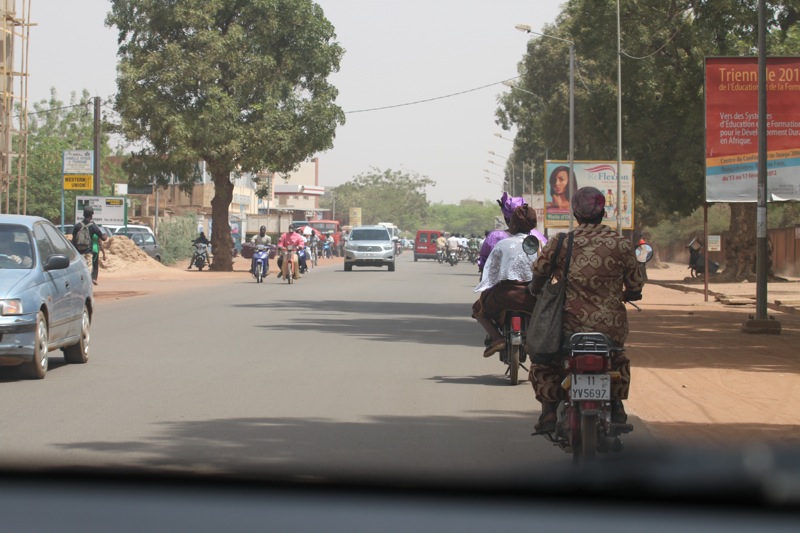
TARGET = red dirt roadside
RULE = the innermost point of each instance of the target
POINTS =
(697, 377)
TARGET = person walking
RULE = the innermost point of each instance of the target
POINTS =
(96, 249)
(83, 233)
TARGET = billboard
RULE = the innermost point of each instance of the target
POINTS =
(731, 89)
(107, 210)
(599, 174)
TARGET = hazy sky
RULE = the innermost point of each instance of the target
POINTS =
(397, 52)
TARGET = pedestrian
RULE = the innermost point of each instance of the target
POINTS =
(82, 235)
(96, 249)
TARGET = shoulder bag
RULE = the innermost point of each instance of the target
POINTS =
(544, 333)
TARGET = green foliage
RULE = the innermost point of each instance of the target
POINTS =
(50, 133)
(679, 228)
(175, 236)
(383, 196)
(240, 84)
(467, 218)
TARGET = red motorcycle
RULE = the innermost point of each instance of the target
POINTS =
(584, 424)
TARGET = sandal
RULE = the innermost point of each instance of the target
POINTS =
(494, 347)
(546, 423)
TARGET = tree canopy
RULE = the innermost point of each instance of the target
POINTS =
(383, 196)
(240, 84)
(664, 46)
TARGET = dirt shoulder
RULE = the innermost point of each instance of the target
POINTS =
(697, 377)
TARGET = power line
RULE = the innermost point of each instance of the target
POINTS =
(430, 99)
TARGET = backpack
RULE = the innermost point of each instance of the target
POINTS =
(83, 240)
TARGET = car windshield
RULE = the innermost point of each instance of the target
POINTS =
(369, 235)
(358, 359)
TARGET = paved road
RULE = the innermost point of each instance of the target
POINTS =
(358, 373)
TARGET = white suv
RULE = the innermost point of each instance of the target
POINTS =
(369, 246)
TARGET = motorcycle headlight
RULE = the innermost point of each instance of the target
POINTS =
(12, 307)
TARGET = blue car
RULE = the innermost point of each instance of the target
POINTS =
(45, 296)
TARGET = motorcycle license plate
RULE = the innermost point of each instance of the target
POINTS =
(590, 387)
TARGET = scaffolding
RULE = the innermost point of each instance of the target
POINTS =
(14, 46)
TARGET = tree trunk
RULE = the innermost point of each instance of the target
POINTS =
(740, 245)
(220, 225)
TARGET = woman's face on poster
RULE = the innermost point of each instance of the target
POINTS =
(561, 184)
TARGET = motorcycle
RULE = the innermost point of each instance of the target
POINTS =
(288, 264)
(473, 255)
(514, 354)
(584, 424)
(303, 256)
(440, 255)
(200, 256)
(697, 261)
(452, 257)
(260, 261)
(326, 250)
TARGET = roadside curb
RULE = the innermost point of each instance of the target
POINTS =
(684, 288)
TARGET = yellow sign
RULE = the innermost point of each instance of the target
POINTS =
(114, 201)
(78, 182)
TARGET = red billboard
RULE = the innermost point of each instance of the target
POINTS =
(732, 128)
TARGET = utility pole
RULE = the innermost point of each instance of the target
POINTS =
(97, 135)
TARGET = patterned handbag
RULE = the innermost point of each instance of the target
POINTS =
(544, 334)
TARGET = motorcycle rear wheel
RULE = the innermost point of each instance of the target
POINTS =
(513, 363)
(588, 444)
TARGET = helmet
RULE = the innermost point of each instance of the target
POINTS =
(473, 235)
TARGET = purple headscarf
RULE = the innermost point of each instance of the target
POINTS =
(509, 203)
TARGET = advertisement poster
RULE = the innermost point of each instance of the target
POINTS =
(599, 174)
(732, 129)
(107, 210)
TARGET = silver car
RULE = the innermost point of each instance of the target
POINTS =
(46, 299)
(369, 246)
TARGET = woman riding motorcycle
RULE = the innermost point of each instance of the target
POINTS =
(603, 274)
(504, 284)
(507, 205)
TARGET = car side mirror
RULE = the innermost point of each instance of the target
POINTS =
(56, 262)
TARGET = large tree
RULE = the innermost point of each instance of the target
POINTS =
(240, 84)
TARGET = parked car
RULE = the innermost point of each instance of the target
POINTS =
(425, 244)
(147, 243)
(369, 246)
(46, 299)
(131, 228)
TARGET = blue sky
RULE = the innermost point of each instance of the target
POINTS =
(396, 53)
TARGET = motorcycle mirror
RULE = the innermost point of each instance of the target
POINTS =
(644, 253)
(530, 245)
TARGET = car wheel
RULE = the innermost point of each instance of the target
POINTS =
(391, 267)
(158, 258)
(37, 368)
(348, 267)
(79, 353)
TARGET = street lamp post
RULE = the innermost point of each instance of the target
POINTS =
(513, 170)
(527, 29)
